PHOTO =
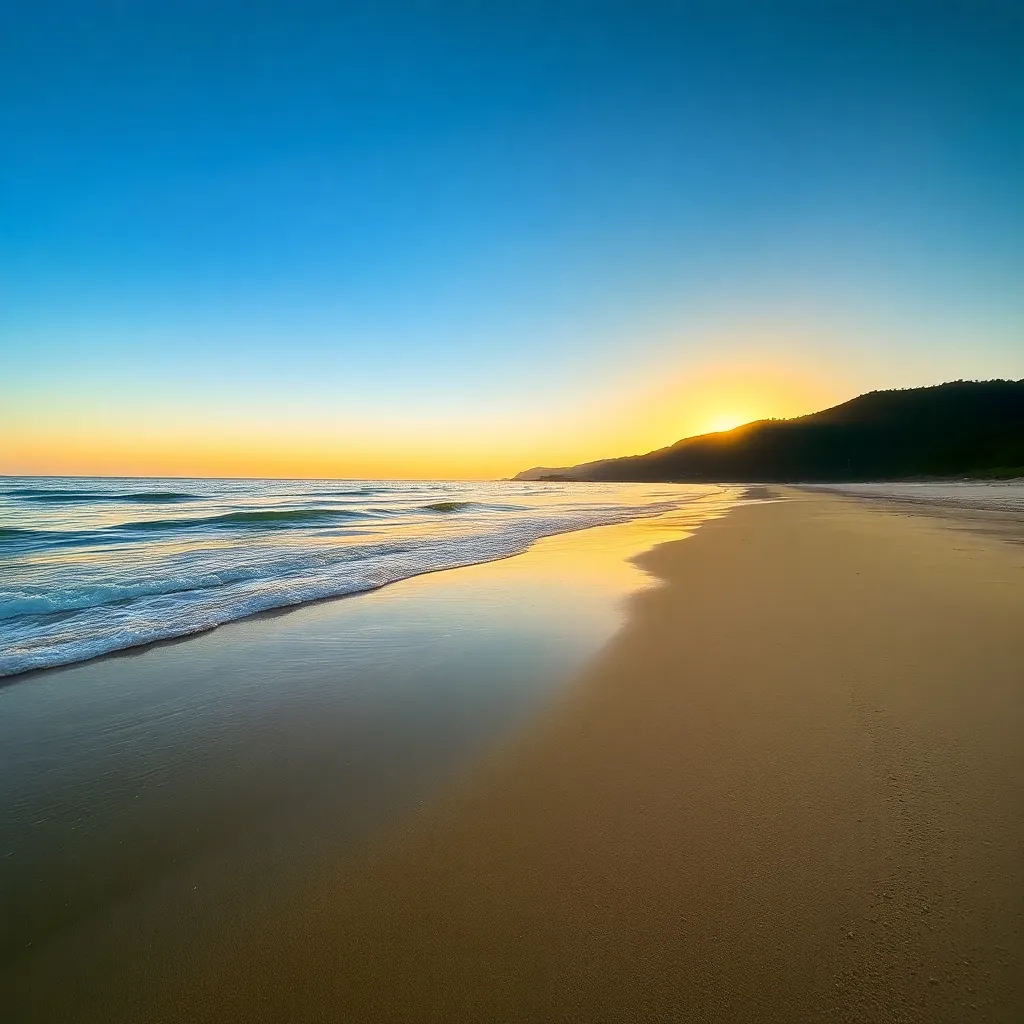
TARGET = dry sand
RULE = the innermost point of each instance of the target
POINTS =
(791, 789)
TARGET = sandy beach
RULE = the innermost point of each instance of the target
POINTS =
(788, 789)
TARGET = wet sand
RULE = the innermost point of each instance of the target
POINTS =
(790, 790)
(162, 807)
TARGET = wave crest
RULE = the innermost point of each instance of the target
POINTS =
(70, 495)
(446, 506)
(266, 518)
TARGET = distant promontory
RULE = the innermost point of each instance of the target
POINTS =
(964, 428)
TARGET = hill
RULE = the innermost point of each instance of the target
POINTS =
(964, 428)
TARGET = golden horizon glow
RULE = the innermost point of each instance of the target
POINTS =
(306, 455)
(464, 444)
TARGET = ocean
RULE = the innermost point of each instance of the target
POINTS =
(94, 565)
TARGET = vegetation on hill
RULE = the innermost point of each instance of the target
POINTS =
(964, 428)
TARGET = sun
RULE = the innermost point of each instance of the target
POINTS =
(726, 421)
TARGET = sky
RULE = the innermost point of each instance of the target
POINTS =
(458, 239)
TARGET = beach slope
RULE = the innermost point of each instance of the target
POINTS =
(789, 790)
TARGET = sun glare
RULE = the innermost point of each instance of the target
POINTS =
(725, 422)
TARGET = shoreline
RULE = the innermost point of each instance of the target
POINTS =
(744, 492)
(724, 495)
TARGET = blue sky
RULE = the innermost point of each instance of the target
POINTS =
(494, 225)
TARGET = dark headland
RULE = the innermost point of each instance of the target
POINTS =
(960, 429)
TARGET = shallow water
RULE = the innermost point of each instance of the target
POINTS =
(99, 565)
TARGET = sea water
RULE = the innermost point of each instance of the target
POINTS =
(94, 565)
